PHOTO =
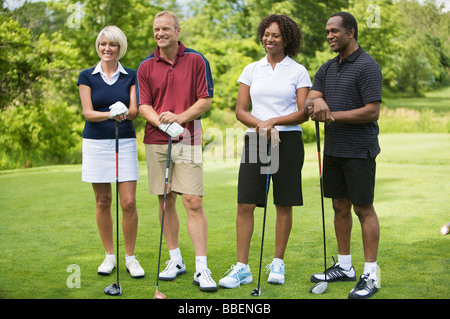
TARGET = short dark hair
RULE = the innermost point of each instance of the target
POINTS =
(290, 31)
(348, 22)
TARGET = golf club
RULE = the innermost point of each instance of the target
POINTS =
(321, 286)
(158, 294)
(257, 291)
(115, 289)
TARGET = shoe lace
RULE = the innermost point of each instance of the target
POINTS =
(362, 282)
(234, 271)
(333, 271)
(231, 269)
(268, 267)
(170, 264)
(334, 261)
(133, 262)
(275, 267)
(206, 274)
(108, 261)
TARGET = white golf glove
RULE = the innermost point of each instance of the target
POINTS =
(117, 109)
(173, 129)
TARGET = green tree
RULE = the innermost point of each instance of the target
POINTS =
(378, 30)
(133, 17)
(226, 33)
(38, 123)
(421, 59)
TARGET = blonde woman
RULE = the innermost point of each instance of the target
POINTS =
(108, 94)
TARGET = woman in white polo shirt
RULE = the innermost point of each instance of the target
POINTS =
(276, 87)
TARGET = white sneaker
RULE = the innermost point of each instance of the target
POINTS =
(134, 268)
(204, 280)
(236, 276)
(107, 266)
(173, 269)
(277, 271)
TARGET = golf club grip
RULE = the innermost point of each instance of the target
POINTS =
(269, 154)
(318, 148)
(166, 179)
(317, 136)
(117, 136)
(169, 152)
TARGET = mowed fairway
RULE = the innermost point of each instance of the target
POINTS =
(48, 230)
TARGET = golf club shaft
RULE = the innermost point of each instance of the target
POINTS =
(166, 180)
(321, 199)
(264, 217)
(117, 196)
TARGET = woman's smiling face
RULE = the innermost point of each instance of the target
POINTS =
(273, 40)
(109, 51)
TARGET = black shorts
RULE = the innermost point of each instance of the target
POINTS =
(350, 178)
(286, 170)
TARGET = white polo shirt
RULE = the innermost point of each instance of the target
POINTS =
(273, 92)
(114, 78)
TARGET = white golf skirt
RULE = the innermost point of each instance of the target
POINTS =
(99, 161)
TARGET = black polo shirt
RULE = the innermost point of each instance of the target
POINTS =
(345, 86)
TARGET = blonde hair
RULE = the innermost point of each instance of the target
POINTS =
(113, 34)
(169, 13)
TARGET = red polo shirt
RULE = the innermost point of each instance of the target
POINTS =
(174, 87)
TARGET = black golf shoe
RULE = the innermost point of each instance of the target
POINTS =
(335, 273)
(365, 288)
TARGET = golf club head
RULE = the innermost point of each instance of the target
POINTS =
(319, 288)
(256, 292)
(113, 290)
(159, 295)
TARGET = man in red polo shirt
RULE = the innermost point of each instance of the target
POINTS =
(174, 88)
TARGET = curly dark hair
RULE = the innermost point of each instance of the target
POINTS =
(290, 31)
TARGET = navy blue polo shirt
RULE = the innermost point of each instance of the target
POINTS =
(345, 86)
(103, 96)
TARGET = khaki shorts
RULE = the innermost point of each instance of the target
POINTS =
(185, 171)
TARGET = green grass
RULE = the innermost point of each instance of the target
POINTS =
(437, 100)
(428, 114)
(48, 223)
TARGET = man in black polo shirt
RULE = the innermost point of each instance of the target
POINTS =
(346, 96)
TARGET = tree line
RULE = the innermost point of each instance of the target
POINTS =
(44, 45)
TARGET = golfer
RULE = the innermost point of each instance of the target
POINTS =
(346, 95)
(174, 89)
(108, 94)
(276, 86)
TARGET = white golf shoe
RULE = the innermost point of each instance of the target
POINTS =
(236, 276)
(107, 266)
(204, 280)
(173, 269)
(134, 268)
(277, 271)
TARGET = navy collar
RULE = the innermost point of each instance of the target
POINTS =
(352, 57)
